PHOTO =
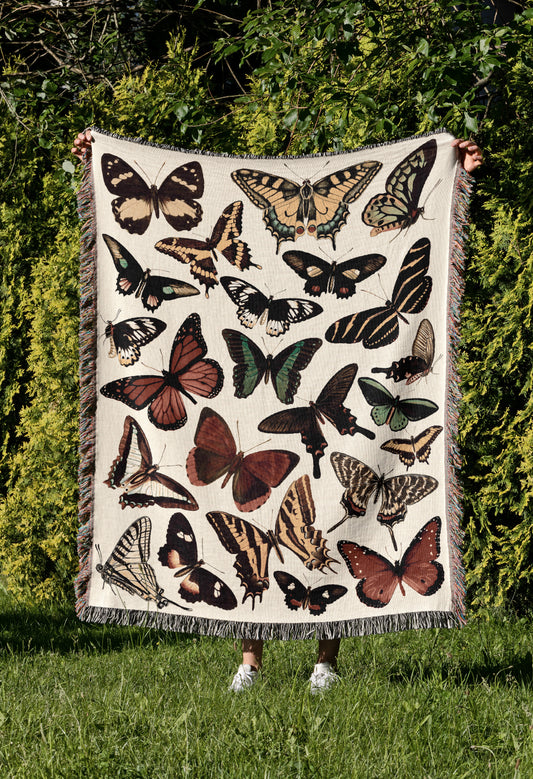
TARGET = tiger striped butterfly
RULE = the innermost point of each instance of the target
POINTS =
(419, 362)
(379, 578)
(298, 596)
(397, 207)
(394, 411)
(290, 209)
(188, 375)
(200, 255)
(137, 201)
(339, 278)
(377, 327)
(127, 337)
(415, 448)
(283, 368)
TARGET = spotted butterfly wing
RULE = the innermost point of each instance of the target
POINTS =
(321, 209)
(298, 596)
(253, 307)
(188, 375)
(306, 420)
(394, 411)
(338, 278)
(415, 448)
(215, 455)
(137, 201)
(200, 255)
(252, 366)
(379, 578)
(377, 327)
(397, 208)
(131, 279)
(419, 362)
(134, 472)
(199, 584)
(127, 566)
(127, 337)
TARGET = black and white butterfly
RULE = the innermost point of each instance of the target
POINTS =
(360, 483)
(377, 327)
(199, 584)
(128, 568)
(283, 368)
(132, 279)
(298, 596)
(137, 200)
(397, 207)
(253, 307)
(419, 362)
(127, 337)
(339, 278)
(290, 209)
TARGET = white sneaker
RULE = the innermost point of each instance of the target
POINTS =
(245, 677)
(322, 678)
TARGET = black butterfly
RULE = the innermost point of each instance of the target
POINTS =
(290, 209)
(298, 596)
(379, 326)
(415, 448)
(360, 482)
(419, 362)
(253, 306)
(394, 411)
(306, 419)
(199, 584)
(340, 278)
(133, 279)
(127, 337)
(284, 368)
(398, 206)
(127, 566)
(137, 200)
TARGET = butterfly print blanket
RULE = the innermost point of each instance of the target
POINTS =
(268, 389)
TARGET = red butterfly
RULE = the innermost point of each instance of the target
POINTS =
(215, 454)
(379, 577)
(187, 373)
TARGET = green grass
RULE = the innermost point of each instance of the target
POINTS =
(90, 701)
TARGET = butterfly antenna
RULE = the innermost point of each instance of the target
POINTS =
(150, 368)
(257, 445)
(432, 190)
(368, 292)
(301, 177)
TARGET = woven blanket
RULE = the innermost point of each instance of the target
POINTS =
(268, 389)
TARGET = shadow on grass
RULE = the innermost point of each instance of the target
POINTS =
(518, 669)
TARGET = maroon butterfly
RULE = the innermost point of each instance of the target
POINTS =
(215, 454)
(188, 373)
(143, 484)
(379, 577)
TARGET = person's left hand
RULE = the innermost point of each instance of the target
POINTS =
(470, 155)
(82, 143)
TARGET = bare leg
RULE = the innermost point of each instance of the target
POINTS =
(252, 652)
(328, 649)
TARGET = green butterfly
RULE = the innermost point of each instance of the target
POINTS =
(252, 365)
(393, 411)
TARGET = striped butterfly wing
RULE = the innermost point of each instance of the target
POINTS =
(411, 449)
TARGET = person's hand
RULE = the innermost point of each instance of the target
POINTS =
(82, 143)
(470, 155)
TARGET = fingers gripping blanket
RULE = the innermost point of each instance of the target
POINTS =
(269, 397)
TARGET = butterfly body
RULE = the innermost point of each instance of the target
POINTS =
(418, 364)
(398, 208)
(137, 200)
(298, 596)
(198, 584)
(394, 411)
(338, 278)
(189, 374)
(127, 337)
(377, 327)
(379, 578)
(415, 448)
(320, 209)
(307, 420)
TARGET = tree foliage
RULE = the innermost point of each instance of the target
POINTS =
(263, 78)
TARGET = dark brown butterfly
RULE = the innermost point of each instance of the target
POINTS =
(215, 455)
(127, 337)
(415, 448)
(137, 201)
(339, 278)
(135, 473)
(306, 420)
(360, 483)
(200, 255)
(419, 362)
(379, 577)
(379, 326)
(199, 584)
(298, 596)
(294, 530)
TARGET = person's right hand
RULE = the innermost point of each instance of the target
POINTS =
(82, 143)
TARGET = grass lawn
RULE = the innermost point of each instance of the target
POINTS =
(91, 701)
